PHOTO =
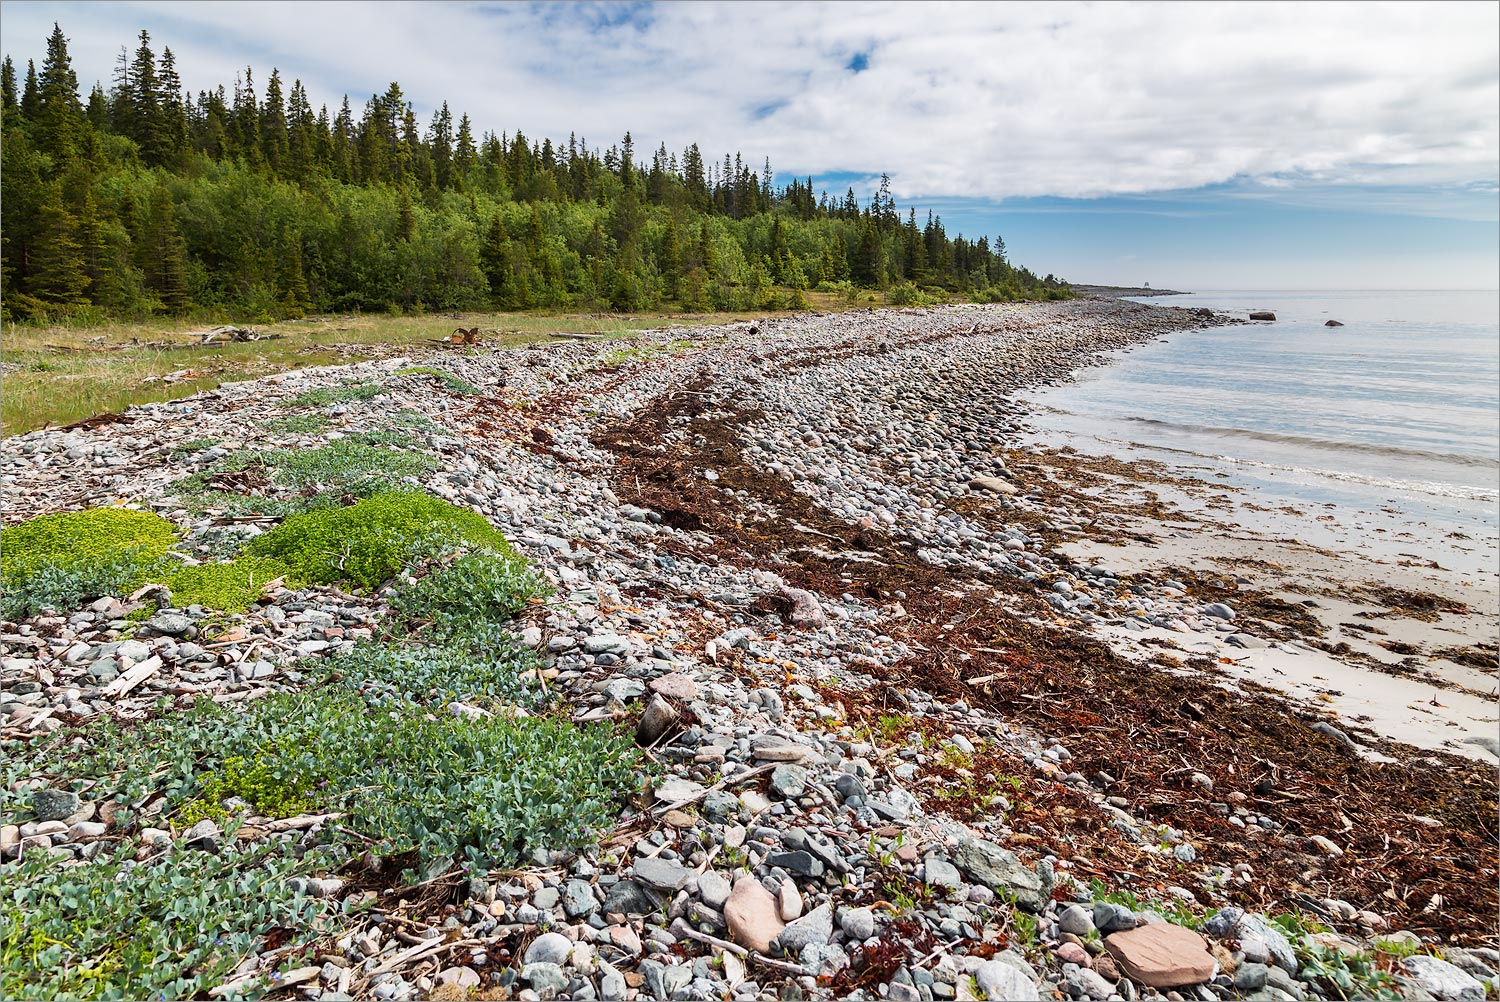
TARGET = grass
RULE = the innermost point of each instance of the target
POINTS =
(65, 373)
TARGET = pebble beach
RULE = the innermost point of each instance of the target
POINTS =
(932, 711)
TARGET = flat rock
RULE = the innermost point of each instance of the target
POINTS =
(814, 928)
(751, 915)
(662, 874)
(999, 980)
(1001, 870)
(994, 485)
(1161, 955)
(676, 685)
(1442, 979)
(674, 790)
(54, 805)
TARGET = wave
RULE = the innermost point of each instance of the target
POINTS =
(1370, 448)
(1428, 487)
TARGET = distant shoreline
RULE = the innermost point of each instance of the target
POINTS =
(1121, 291)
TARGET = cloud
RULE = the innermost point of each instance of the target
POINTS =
(988, 100)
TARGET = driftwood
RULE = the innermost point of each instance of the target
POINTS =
(227, 334)
(578, 336)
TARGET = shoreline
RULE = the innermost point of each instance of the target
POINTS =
(826, 540)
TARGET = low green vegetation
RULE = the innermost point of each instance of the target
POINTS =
(323, 396)
(298, 424)
(446, 380)
(366, 544)
(290, 481)
(462, 593)
(434, 675)
(62, 561)
(169, 928)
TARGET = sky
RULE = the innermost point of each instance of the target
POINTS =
(1191, 146)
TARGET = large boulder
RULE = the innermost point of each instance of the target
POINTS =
(1262, 315)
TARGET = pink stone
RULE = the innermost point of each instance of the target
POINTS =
(1161, 955)
(677, 685)
(751, 914)
(1072, 953)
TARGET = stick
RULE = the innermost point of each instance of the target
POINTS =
(780, 965)
(730, 780)
(420, 951)
(722, 944)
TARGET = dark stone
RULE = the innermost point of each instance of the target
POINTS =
(629, 898)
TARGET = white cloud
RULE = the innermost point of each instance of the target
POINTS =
(990, 100)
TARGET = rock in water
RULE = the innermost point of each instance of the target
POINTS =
(751, 915)
(1160, 955)
(1332, 323)
(1262, 315)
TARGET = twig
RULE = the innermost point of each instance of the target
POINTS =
(780, 965)
(722, 944)
(734, 780)
(421, 951)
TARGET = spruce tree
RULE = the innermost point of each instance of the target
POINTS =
(58, 276)
(166, 271)
(31, 96)
(59, 117)
(273, 136)
(10, 100)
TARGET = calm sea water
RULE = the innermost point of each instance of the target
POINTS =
(1397, 410)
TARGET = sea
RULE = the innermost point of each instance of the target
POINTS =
(1395, 412)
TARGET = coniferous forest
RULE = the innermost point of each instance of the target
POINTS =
(245, 202)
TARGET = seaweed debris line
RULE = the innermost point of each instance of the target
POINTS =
(747, 662)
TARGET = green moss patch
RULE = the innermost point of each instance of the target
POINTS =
(366, 544)
(60, 561)
(231, 586)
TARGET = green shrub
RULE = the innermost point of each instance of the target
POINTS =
(306, 478)
(472, 591)
(366, 544)
(436, 675)
(228, 587)
(447, 380)
(170, 928)
(493, 788)
(906, 294)
(325, 395)
(60, 561)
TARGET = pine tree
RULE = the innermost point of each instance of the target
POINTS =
(273, 136)
(670, 262)
(464, 153)
(60, 114)
(174, 118)
(31, 96)
(406, 215)
(145, 99)
(166, 269)
(58, 276)
(440, 141)
(10, 101)
(494, 256)
(295, 298)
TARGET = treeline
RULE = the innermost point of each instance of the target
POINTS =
(144, 199)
